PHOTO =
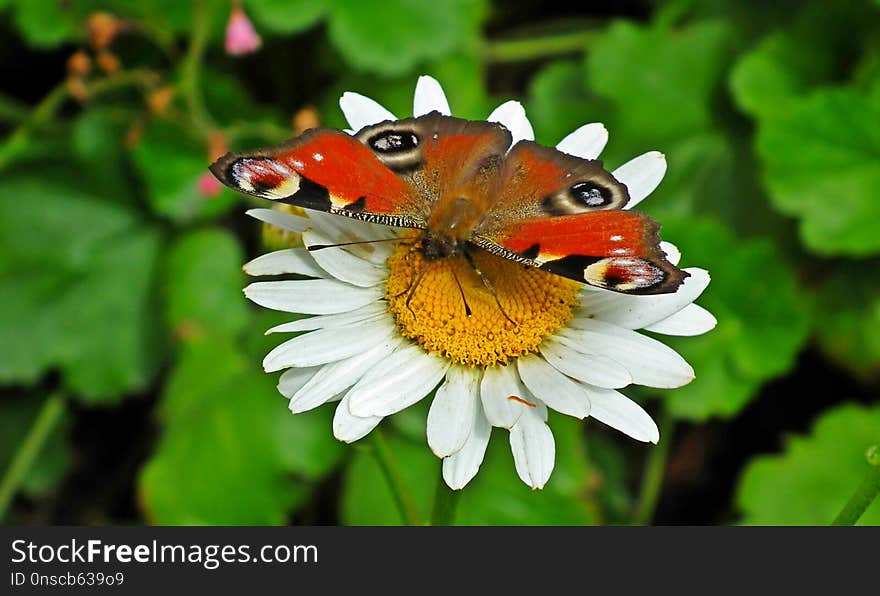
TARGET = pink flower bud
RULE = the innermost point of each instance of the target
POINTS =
(241, 37)
(209, 187)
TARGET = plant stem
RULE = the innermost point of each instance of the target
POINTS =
(385, 459)
(16, 142)
(865, 493)
(44, 111)
(513, 50)
(48, 416)
(445, 504)
(652, 479)
(191, 68)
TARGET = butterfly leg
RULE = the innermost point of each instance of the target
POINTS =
(488, 284)
(413, 249)
(415, 286)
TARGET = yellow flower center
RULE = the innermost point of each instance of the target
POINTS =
(433, 311)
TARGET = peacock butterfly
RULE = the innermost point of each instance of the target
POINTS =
(467, 189)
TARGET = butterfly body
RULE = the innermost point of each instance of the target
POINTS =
(466, 189)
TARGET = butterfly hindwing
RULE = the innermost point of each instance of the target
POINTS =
(564, 215)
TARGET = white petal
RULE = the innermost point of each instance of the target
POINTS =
(349, 428)
(461, 467)
(673, 255)
(552, 387)
(328, 345)
(285, 221)
(289, 260)
(590, 368)
(333, 379)
(341, 229)
(649, 362)
(635, 312)
(345, 319)
(620, 412)
(499, 384)
(293, 379)
(693, 319)
(586, 142)
(452, 412)
(362, 111)
(534, 450)
(429, 97)
(342, 264)
(641, 175)
(512, 115)
(397, 382)
(311, 296)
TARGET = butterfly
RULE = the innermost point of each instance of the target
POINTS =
(462, 184)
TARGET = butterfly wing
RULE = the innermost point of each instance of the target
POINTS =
(564, 214)
(391, 173)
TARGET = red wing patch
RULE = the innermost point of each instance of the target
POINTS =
(325, 170)
(615, 250)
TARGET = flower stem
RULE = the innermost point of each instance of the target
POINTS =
(865, 493)
(445, 504)
(17, 142)
(48, 416)
(385, 459)
(652, 479)
(191, 68)
(514, 50)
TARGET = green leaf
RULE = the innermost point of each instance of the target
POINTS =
(76, 291)
(496, 496)
(816, 475)
(559, 102)
(204, 281)
(286, 16)
(822, 165)
(404, 33)
(850, 306)
(110, 315)
(46, 23)
(170, 164)
(17, 415)
(762, 319)
(97, 141)
(368, 501)
(779, 69)
(660, 81)
(230, 448)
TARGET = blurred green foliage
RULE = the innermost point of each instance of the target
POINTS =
(120, 274)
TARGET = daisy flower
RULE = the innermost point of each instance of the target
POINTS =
(375, 353)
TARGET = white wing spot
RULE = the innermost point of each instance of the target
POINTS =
(318, 157)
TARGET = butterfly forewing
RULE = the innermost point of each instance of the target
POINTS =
(326, 170)
(564, 214)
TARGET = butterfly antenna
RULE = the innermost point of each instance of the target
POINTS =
(467, 308)
(314, 247)
(487, 284)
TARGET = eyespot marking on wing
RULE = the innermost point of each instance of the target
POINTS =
(624, 274)
(397, 146)
(265, 177)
